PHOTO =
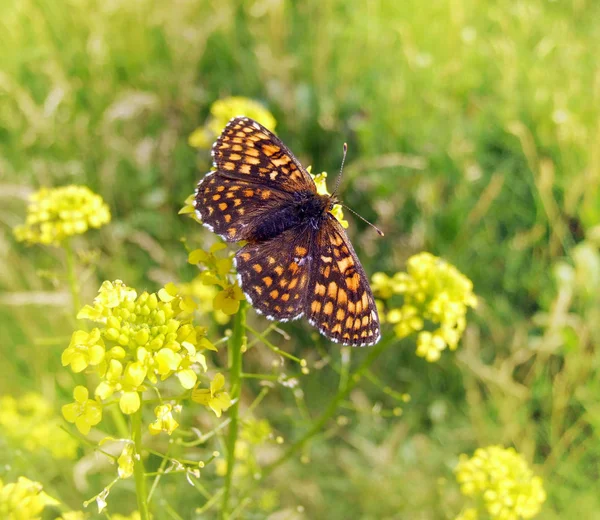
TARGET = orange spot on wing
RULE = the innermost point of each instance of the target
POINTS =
(328, 309)
(268, 281)
(332, 290)
(319, 289)
(258, 268)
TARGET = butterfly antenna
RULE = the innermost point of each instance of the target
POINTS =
(339, 177)
(364, 220)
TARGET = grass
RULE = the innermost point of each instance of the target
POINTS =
(472, 131)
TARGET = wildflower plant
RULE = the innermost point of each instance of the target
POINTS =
(435, 300)
(501, 485)
(141, 343)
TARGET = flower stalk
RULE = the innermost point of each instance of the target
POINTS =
(235, 376)
(139, 472)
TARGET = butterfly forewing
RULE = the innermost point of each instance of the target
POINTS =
(274, 275)
(247, 150)
(339, 300)
(233, 208)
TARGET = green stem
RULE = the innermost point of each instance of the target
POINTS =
(236, 344)
(139, 473)
(72, 276)
(334, 404)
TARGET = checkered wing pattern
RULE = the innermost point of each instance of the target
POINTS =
(339, 300)
(274, 275)
(246, 150)
(233, 208)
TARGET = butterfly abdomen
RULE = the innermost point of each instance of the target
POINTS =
(307, 209)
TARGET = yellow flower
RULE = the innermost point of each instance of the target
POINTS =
(502, 481)
(222, 111)
(164, 420)
(23, 500)
(58, 213)
(321, 182)
(30, 422)
(142, 337)
(435, 293)
(215, 398)
(125, 461)
(84, 412)
(85, 349)
(228, 300)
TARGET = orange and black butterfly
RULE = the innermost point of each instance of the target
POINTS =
(298, 259)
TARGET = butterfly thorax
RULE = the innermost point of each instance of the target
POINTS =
(307, 208)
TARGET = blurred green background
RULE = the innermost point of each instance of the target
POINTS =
(474, 133)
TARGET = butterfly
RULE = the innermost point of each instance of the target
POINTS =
(297, 260)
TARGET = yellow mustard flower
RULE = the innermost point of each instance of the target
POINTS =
(215, 398)
(23, 500)
(58, 213)
(84, 412)
(143, 338)
(222, 111)
(30, 420)
(434, 293)
(125, 461)
(321, 182)
(501, 480)
(228, 300)
(165, 422)
(85, 348)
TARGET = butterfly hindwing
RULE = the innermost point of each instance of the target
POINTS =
(247, 150)
(274, 274)
(339, 300)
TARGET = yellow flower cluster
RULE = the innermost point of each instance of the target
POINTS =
(141, 339)
(221, 111)
(23, 500)
(58, 213)
(321, 182)
(435, 293)
(501, 480)
(31, 421)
